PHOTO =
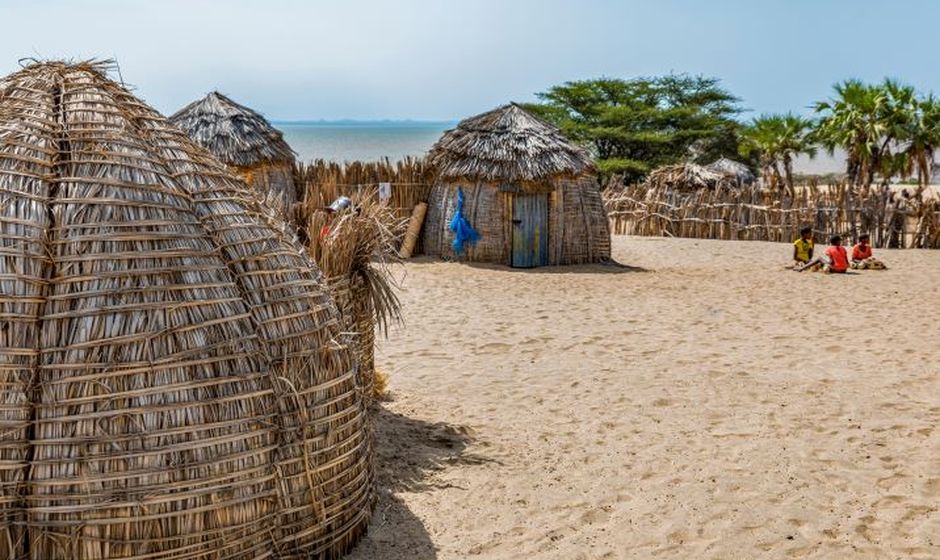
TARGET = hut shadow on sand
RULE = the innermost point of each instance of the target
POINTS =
(609, 267)
(409, 451)
(594, 268)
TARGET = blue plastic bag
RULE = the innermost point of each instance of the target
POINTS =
(463, 231)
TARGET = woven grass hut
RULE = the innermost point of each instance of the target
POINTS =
(530, 194)
(172, 379)
(243, 139)
(733, 169)
(687, 177)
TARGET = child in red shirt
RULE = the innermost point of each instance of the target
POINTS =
(862, 255)
(835, 260)
(862, 249)
(838, 256)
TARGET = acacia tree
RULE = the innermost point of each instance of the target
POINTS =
(776, 140)
(632, 126)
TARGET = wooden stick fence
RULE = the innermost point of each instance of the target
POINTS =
(893, 217)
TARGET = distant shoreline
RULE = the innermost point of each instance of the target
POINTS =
(367, 124)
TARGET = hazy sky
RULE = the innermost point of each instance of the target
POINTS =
(442, 60)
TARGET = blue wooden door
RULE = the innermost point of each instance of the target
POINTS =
(529, 230)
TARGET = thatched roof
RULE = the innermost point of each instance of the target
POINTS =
(169, 359)
(507, 144)
(686, 177)
(232, 132)
(737, 170)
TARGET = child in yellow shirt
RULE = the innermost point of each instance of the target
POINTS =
(803, 247)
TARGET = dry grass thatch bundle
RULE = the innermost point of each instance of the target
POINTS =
(171, 384)
(245, 140)
(687, 177)
(507, 144)
(353, 249)
(736, 170)
(508, 161)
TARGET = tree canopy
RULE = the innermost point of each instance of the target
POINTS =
(886, 129)
(776, 140)
(633, 126)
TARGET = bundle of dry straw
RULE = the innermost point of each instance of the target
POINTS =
(354, 249)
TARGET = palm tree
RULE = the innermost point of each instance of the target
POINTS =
(853, 120)
(777, 140)
(923, 139)
(881, 128)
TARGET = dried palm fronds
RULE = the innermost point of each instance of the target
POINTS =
(380, 387)
(354, 249)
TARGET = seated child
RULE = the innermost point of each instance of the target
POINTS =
(862, 255)
(836, 259)
(803, 247)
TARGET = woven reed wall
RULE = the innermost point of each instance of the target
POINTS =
(274, 182)
(485, 207)
(172, 383)
(357, 316)
(586, 234)
(578, 228)
(891, 219)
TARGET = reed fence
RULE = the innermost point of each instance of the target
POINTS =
(321, 182)
(894, 217)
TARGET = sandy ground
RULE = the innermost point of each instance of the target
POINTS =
(707, 404)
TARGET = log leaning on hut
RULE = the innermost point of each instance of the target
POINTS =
(172, 382)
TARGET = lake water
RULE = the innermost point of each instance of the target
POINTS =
(361, 141)
(369, 141)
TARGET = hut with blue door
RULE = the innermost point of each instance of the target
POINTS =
(530, 194)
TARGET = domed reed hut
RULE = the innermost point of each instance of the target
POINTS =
(688, 177)
(172, 383)
(530, 194)
(243, 139)
(734, 169)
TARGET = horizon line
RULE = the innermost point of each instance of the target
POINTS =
(365, 121)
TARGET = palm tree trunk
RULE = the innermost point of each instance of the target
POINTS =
(788, 171)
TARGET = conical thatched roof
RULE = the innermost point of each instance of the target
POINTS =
(171, 381)
(734, 169)
(507, 144)
(232, 132)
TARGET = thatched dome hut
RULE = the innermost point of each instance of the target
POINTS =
(530, 194)
(686, 177)
(736, 170)
(243, 139)
(172, 383)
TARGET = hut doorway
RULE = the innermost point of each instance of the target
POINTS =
(529, 230)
